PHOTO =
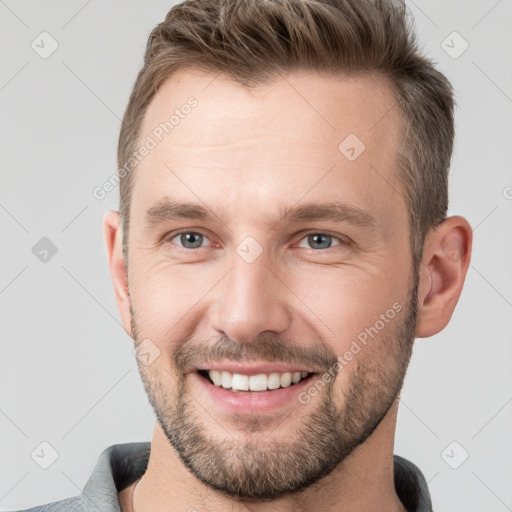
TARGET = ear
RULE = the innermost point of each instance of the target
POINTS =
(445, 261)
(113, 235)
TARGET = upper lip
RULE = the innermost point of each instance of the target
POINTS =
(254, 369)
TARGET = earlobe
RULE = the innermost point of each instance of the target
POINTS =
(112, 234)
(445, 262)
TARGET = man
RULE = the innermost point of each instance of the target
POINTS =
(282, 240)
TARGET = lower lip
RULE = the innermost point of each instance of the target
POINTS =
(255, 401)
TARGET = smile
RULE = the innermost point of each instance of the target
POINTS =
(260, 382)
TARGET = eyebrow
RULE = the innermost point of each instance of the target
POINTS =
(167, 210)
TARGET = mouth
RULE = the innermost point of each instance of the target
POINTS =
(258, 383)
(270, 389)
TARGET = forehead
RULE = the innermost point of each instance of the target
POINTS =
(303, 133)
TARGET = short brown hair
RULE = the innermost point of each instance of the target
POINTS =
(253, 41)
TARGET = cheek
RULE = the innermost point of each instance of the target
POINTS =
(166, 298)
(334, 303)
(345, 303)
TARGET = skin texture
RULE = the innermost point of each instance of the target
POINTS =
(246, 155)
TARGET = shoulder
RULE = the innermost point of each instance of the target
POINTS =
(74, 504)
(116, 468)
(411, 486)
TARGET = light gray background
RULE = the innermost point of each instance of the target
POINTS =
(68, 374)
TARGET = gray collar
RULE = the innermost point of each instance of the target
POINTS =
(120, 465)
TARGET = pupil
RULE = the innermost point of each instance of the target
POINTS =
(322, 240)
(191, 240)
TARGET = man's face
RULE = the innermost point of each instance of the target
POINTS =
(268, 274)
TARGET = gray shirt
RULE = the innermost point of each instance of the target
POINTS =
(120, 465)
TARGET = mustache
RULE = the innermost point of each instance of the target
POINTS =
(267, 347)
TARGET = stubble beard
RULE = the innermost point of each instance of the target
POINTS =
(255, 463)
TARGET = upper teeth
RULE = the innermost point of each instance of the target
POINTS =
(260, 382)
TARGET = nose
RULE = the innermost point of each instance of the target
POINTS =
(251, 299)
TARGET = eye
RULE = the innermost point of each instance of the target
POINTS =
(320, 241)
(188, 239)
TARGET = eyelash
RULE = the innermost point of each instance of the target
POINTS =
(342, 241)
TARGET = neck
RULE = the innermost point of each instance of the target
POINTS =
(364, 481)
